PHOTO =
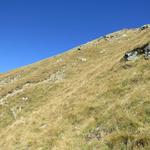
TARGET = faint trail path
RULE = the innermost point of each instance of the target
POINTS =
(59, 76)
(56, 77)
(2, 100)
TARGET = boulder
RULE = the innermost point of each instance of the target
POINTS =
(145, 27)
(147, 51)
(131, 55)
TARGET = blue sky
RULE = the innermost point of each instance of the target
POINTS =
(31, 30)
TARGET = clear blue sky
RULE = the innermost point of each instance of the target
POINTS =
(31, 30)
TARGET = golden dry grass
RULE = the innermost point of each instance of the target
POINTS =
(84, 99)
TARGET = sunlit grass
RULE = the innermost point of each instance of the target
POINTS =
(101, 103)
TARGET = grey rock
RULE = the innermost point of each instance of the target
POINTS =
(145, 27)
(82, 59)
(25, 98)
(134, 54)
(147, 51)
(108, 37)
(131, 55)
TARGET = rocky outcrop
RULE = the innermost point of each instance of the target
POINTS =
(144, 27)
(135, 53)
(131, 55)
(147, 51)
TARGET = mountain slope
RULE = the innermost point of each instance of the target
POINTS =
(86, 98)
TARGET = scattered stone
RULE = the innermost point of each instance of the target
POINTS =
(43, 126)
(59, 60)
(79, 48)
(108, 37)
(115, 35)
(124, 35)
(82, 59)
(25, 98)
(103, 51)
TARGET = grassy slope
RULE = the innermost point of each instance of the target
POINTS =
(70, 103)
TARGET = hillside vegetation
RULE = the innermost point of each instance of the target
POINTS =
(88, 98)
